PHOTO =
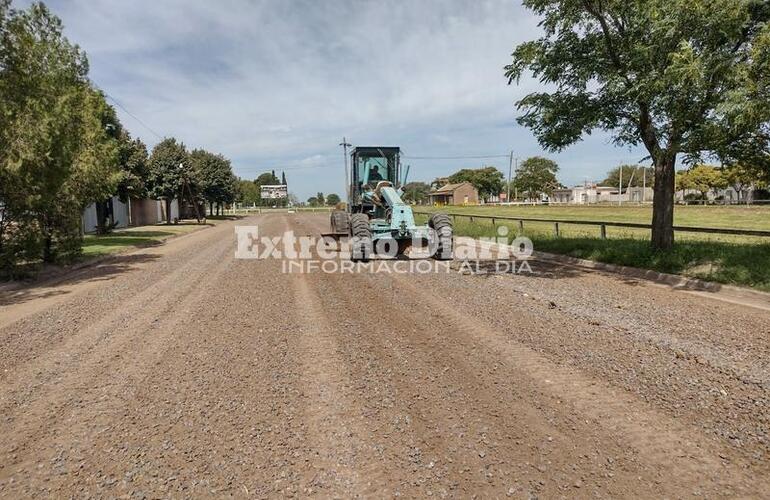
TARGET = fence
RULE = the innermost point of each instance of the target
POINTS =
(603, 225)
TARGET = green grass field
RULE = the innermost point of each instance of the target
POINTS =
(737, 260)
(125, 239)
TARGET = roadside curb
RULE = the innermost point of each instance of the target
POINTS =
(719, 291)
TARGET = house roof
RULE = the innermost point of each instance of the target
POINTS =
(448, 188)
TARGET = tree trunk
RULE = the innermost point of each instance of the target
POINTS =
(168, 211)
(663, 203)
(211, 208)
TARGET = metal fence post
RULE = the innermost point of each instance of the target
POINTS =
(521, 226)
(603, 231)
(556, 229)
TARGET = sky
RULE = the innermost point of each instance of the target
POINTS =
(276, 84)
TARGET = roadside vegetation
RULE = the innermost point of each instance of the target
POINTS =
(62, 148)
(735, 260)
(135, 237)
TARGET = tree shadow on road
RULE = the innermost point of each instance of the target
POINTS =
(105, 270)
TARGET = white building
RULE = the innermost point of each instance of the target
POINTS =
(592, 193)
(134, 213)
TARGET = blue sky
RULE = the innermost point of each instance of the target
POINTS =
(276, 84)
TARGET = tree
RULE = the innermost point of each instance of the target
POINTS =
(740, 178)
(283, 178)
(705, 178)
(320, 199)
(633, 176)
(213, 175)
(416, 192)
(55, 153)
(535, 176)
(169, 163)
(312, 201)
(332, 199)
(668, 74)
(487, 180)
(133, 161)
(266, 179)
(248, 193)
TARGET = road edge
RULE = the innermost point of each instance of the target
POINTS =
(718, 291)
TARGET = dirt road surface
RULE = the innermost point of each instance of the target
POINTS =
(181, 371)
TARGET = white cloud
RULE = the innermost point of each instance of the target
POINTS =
(276, 84)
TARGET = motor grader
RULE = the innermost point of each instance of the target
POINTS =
(376, 218)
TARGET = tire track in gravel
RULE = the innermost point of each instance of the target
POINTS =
(218, 413)
(342, 453)
(692, 462)
(87, 380)
(100, 305)
(655, 439)
(480, 431)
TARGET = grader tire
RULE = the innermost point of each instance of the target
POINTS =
(442, 224)
(361, 241)
(340, 222)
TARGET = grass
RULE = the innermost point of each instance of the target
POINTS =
(735, 260)
(735, 216)
(125, 239)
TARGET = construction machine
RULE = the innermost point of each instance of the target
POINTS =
(376, 218)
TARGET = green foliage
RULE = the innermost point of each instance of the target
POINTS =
(247, 193)
(677, 76)
(416, 192)
(703, 178)
(213, 176)
(535, 176)
(267, 179)
(320, 199)
(133, 160)
(168, 162)
(57, 153)
(487, 180)
(313, 201)
(332, 199)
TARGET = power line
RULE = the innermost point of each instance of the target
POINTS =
(470, 157)
(133, 116)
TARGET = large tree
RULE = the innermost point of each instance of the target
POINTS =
(247, 193)
(536, 176)
(133, 160)
(56, 152)
(416, 192)
(487, 180)
(168, 167)
(681, 77)
(214, 177)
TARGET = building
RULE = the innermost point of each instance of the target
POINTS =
(592, 193)
(136, 212)
(274, 191)
(463, 193)
(582, 195)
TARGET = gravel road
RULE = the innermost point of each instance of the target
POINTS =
(181, 371)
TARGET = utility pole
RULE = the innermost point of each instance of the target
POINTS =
(345, 147)
(510, 168)
(516, 168)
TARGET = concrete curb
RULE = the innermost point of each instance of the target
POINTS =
(711, 289)
(718, 291)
